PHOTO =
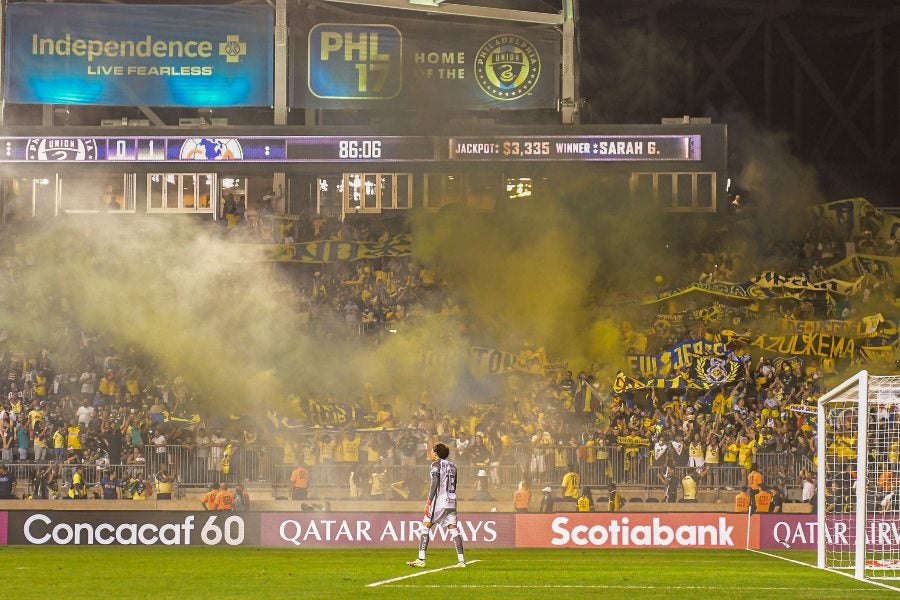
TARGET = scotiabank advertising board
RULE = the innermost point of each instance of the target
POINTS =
(131, 528)
(632, 530)
(335, 530)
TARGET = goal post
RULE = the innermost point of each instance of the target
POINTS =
(858, 495)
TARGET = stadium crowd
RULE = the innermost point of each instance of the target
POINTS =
(109, 406)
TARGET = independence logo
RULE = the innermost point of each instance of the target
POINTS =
(507, 67)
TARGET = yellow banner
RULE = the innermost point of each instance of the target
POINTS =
(854, 216)
(329, 251)
(632, 441)
(490, 361)
(868, 326)
(770, 280)
(882, 267)
(817, 344)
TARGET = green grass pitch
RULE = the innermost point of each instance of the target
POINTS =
(185, 573)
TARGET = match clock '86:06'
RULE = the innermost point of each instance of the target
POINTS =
(359, 149)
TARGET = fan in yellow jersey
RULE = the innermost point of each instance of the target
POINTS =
(616, 501)
(712, 458)
(746, 451)
(571, 484)
(585, 501)
(696, 455)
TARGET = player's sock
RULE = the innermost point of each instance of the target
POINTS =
(457, 541)
(423, 543)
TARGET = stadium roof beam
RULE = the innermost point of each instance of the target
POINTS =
(460, 10)
(839, 112)
(720, 67)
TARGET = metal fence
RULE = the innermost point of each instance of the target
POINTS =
(263, 466)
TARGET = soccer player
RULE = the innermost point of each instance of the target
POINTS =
(440, 508)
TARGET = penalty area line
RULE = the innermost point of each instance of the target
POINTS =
(803, 564)
(418, 574)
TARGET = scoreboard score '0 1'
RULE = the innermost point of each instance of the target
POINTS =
(576, 148)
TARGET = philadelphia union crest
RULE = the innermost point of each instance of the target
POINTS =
(507, 67)
(61, 149)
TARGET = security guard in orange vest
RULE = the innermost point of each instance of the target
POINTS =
(225, 498)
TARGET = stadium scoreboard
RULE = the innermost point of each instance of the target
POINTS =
(349, 148)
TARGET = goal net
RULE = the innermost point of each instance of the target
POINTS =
(858, 506)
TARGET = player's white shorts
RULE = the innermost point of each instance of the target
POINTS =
(444, 516)
(696, 463)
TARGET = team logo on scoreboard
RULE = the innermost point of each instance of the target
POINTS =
(62, 149)
(507, 66)
(211, 149)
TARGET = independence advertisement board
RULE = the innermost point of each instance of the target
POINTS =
(192, 56)
(424, 65)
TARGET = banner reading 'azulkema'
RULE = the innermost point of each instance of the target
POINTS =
(204, 56)
(424, 65)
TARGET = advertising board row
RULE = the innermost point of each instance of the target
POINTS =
(219, 56)
(482, 530)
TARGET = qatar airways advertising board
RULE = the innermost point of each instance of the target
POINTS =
(796, 532)
(800, 532)
(380, 530)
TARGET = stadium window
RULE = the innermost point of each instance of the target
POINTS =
(371, 192)
(180, 192)
(434, 191)
(665, 189)
(188, 191)
(171, 189)
(684, 190)
(442, 189)
(329, 195)
(483, 189)
(642, 187)
(386, 190)
(706, 191)
(113, 193)
(518, 187)
(404, 190)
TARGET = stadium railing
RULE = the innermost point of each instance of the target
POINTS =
(198, 467)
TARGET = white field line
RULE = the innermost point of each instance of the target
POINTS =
(417, 574)
(797, 562)
(625, 587)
